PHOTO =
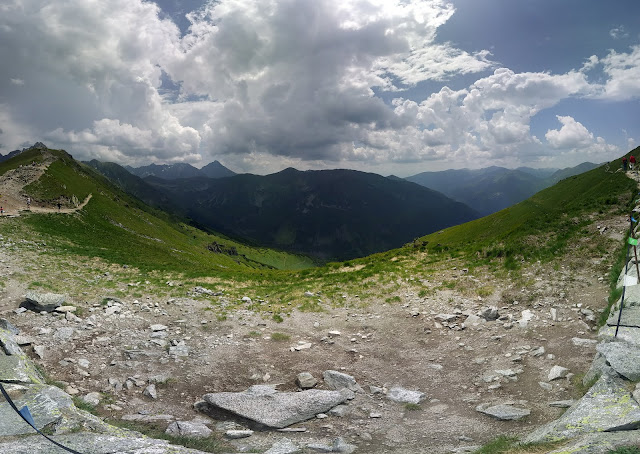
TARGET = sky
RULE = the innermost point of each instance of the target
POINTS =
(386, 86)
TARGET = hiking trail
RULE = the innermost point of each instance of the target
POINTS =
(14, 201)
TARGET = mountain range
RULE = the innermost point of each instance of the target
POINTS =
(329, 214)
(181, 170)
(494, 188)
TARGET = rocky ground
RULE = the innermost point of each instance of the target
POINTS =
(459, 351)
(512, 350)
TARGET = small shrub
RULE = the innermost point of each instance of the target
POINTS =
(411, 407)
(82, 405)
(277, 318)
(280, 337)
(485, 291)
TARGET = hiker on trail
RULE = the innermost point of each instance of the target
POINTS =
(632, 162)
(59, 206)
(1, 211)
(624, 163)
(29, 202)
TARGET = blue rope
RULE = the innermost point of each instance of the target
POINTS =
(25, 414)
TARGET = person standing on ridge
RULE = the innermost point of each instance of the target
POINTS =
(624, 164)
(632, 162)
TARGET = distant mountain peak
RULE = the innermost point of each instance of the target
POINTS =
(216, 170)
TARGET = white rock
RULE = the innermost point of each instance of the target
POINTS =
(557, 372)
(92, 398)
(158, 327)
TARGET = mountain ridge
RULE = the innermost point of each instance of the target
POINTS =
(345, 212)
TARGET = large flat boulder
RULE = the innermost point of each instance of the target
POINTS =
(600, 442)
(623, 357)
(44, 301)
(15, 366)
(630, 315)
(606, 407)
(93, 443)
(265, 405)
(46, 404)
(631, 335)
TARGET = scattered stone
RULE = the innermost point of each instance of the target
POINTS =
(236, 434)
(503, 412)
(557, 372)
(562, 403)
(537, 352)
(302, 346)
(338, 445)
(445, 317)
(65, 309)
(263, 404)
(150, 391)
(338, 380)
(179, 350)
(340, 411)
(63, 334)
(546, 386)
(39, 350)
(474, 320)
(305, 380)
(405, 396)
(579, 342)
(158, 327)
(489, 314)
(526, 317)
(92, 398)
(283, 446)
(334, 333)
(44, 301)
(189, 429)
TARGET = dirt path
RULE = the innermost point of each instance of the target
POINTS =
(12, 199)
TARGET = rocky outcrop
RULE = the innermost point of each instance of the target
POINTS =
(53, 410)
(607, 407)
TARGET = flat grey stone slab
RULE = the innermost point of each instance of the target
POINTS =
(46, 403)
(17, 369)
(92, 443)
(269, 407)
(623, 357)
(630, 316)
(600, 443)
(503, 412)
(338, 380)
(405, 396)
(606, 407)
(631, 335)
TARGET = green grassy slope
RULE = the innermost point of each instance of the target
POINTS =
(541, 225)
(121, 229)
